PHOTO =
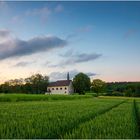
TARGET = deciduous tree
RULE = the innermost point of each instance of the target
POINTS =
(98, 86)
(81, 83)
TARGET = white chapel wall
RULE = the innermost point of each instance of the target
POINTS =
(59, 90)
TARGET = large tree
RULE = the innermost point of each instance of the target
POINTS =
(81, 83)
(36, 83)
(98, 86)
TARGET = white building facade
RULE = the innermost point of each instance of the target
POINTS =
(61, 87)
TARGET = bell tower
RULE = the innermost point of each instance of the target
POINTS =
(68, 77)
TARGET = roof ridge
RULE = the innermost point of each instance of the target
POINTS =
(60, 83)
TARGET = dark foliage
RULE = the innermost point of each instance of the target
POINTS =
(98, 86)
(129, 89)
(36, 84)
(81, 83)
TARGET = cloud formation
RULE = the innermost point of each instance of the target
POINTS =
(63, 75)
(80, 58)
(4, 33)
(83, 57)
(23, 63)
(16, 47)
(72, 58)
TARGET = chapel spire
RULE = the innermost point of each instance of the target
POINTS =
(68, 77)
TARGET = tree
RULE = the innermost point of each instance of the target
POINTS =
(5, 88)
(81, 83)
(98, 86)
(36, 84)
(128, 92)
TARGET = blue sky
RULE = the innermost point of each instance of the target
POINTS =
(101, 39)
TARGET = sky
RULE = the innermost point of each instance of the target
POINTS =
(100, 39)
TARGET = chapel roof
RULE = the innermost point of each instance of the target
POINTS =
(60, 83)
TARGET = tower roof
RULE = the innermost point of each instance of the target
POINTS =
(68, 76)
(59, 83)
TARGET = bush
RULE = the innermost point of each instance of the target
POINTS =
(117, 93)
(94, 94)
(106, 94)
(128, 92)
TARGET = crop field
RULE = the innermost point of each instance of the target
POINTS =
(36, 97)
(69, 117)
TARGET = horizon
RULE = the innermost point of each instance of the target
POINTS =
(91, 79)
(98, 38)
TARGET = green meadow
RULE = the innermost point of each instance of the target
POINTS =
(68, 117)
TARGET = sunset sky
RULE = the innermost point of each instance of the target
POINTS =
(101, 39)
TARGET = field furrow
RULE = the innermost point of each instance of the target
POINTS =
(49, 119)
(118, 123)
(137, 107)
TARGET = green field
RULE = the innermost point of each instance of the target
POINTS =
(72, 117)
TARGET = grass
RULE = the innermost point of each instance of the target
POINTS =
(35, 97)
(119, 123)
(49, 119)
(137, 107)
(26, 116)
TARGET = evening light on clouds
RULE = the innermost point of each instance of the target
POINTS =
(101, 39)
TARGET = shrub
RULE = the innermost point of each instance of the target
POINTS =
(117, 93)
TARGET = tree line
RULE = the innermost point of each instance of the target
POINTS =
(37, 84)
(129, 89)
(82, 84)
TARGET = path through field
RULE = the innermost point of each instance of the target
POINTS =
(80, 118)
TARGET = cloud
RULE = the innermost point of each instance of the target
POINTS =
(72, 58)
(23, 63)
(79, 58)
(54, 76)
(53, 65)
(83, 57)
(46, 63)
(4, 33)
(16, 47)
